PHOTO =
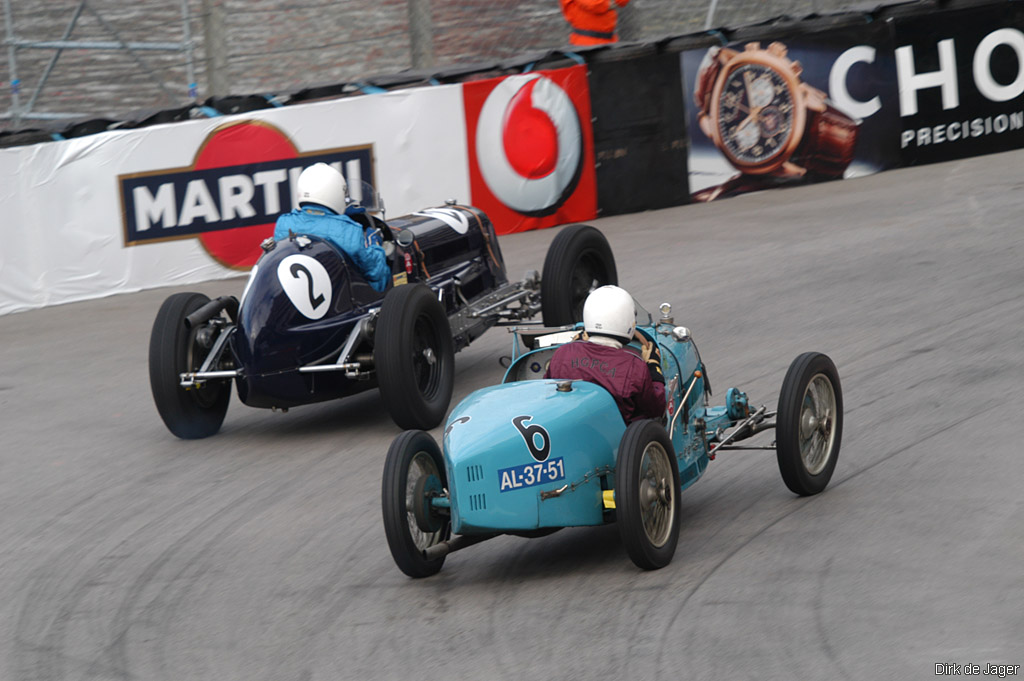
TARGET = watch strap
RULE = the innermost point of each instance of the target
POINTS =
(715, 58)
(830, 137)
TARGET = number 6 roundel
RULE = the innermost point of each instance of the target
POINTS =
(531, 434)
(307, 284)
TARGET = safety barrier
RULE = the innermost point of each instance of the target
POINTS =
(184, 196)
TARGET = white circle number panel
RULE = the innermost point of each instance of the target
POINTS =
(306, 283)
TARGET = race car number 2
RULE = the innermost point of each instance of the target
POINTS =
(530, 474)
(307, 284)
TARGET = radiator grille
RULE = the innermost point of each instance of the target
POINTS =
(477, 502)
(475, 473)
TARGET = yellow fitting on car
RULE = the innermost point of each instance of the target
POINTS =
(608, 497)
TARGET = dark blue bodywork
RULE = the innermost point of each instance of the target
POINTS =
(455, 252)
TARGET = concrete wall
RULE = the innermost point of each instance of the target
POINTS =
(274, 46)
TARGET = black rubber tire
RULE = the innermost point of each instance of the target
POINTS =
(579, 260)
(190, 414)
(415, 391)
(809, 423)
(640, 507)
(405, 539)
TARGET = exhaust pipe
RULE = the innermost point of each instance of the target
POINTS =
(456, 543)
(211, 310)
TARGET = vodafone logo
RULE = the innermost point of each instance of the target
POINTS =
(531, 149)
(529, 144)
(242, 178)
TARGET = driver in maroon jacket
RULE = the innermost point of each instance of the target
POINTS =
(633, 378)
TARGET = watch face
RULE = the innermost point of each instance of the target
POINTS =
(755, 115)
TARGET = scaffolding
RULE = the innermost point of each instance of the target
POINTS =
(242, 47)
(20, 112)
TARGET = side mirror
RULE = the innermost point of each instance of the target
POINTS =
(405, 238)
(681, 334)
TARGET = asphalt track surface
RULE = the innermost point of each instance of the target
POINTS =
(260, 553)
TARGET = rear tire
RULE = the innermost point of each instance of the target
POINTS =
(809, 423)
(413, 467)
(647, 495)
(414, 357)
(199, 411)
(578, 261)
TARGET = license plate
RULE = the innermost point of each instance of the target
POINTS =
(530, 474)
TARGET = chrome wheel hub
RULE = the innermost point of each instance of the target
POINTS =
(656, 494)
(817, 424)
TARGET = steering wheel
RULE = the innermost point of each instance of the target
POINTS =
(642, 339)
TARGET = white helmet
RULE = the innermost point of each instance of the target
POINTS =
(610, 311)
(323, 185)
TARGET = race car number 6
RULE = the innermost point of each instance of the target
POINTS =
(307, 284)
(532, 434)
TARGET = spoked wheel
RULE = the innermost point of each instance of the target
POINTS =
(413, 474)
(809, 424)
(174, 349)
(647, 495)
(578, 261)
(414, 357)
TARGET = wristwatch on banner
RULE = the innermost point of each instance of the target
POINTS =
(765, 120)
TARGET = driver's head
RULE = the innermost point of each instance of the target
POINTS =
(323, 185)
(609, 312)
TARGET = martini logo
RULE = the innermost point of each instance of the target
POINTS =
(242, 178)
(531, 149)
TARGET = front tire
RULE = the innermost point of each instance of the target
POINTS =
(413, 471)
(578, 261)
(809, 424)
(647, 495)
(414, 357)
(173, 350)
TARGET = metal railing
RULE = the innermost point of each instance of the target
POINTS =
(21, 112)
(245, 47)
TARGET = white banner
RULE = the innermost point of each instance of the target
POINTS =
(127, 210)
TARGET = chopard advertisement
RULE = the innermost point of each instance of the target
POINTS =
(961, 77)
(807, 108)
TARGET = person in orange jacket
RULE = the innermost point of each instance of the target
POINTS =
(593, 21)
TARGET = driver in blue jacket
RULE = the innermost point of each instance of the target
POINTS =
(323, 198)
(634, 379)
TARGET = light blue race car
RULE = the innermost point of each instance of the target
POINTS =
(532, 455)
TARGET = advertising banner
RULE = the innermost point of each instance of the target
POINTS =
(807, 108)
(531, 149)
(961, 77)
(189, 202)
(639, 133)
(243, 177)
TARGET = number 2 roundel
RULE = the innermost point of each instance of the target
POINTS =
(307, 284)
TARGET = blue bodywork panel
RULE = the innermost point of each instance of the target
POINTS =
(501, 440)
(524, 455)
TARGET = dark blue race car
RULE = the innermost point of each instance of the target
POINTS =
(310, 328)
